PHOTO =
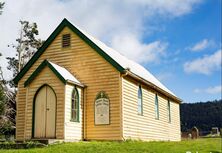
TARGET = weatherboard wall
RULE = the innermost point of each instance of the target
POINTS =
(73, 129)
(90, 69)
(145, 126)
(46, 76)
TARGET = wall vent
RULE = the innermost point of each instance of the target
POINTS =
(66, 40)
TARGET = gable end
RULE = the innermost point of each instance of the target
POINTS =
(63, 24)
(39, 69)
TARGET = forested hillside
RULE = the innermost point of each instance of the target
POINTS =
(203, 115)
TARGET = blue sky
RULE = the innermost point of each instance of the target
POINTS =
(203, 23)
(179, 41)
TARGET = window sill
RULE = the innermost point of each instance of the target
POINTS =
(76, 121)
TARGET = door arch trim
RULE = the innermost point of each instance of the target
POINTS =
(33, 108)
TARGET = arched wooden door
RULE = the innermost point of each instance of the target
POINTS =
(45, 113)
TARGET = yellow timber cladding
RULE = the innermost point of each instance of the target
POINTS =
(92, 70)
(96, 74)
(146, 126)
(45, 76)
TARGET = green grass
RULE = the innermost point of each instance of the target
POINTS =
(205, 145)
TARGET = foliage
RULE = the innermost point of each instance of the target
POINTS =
(199, 145)
(1, 6)
(25, 145)
(7, 113)
(26, 46)
(7, 127)
(2, 102)
(202, 115)
(34, 144)
(7, 145)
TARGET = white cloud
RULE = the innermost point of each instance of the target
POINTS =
(164, 76)
(103, 19)
(205, 65)
(131, 47)
(200, 45)
(214, 90)
(210, 90)
(167, 7)
(197, 90)
(205, 43)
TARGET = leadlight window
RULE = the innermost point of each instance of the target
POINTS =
(75, 106)
(139, 101)
(169, 111)
(156, 107)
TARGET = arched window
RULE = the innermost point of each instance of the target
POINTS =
(169, 111)
(156, 107)
(75, 105)
(140, 103)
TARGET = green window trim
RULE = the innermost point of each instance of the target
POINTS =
(74, 106)
(157, 115)
(169, 111)
(140, 101)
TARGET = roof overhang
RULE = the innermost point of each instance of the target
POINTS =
(55, 71)
(150, 84)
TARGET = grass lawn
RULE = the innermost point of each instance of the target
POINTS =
(205, 145)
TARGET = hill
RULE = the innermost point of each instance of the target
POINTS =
(203, 115)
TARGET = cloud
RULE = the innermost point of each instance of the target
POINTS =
(214, 90)
(131, 47)
(173, 8)
(197, 90)
(205, 43)
(200, 45)
(210, 90)
(103, 19)
(205, 65)
(164, 76)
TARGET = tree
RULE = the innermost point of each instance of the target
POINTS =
(26, 45)
(7, 107)
(7, 113)
(2, 102)
(203, 115)
(1, 6)
(6, 125)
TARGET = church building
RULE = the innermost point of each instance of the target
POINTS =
(77, 88)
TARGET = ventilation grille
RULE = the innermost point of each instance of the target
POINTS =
(66, 40)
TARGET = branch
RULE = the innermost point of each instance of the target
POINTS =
(3, 85)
